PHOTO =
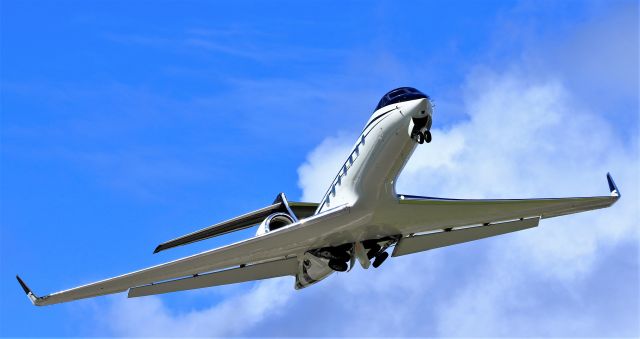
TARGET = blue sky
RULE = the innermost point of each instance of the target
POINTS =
(124, 124)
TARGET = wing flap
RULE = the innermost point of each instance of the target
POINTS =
(419, 243)
(272, 269)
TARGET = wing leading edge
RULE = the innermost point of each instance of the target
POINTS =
(491, 216)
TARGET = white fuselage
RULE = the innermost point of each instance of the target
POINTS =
(367, 178)
(365, 183)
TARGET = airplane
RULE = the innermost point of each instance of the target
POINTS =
(360, 218)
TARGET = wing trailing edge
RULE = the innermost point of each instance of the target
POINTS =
(271, 269)
(424, 242)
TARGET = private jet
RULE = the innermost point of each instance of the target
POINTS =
(361, 218)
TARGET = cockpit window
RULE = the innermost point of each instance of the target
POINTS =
(400, 95)
(396, 93)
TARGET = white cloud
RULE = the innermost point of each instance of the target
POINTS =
(149, 316)
(604, 52)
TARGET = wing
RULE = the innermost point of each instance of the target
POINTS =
(299, 209)
(266, 256)
(244, 273)
(453, 219)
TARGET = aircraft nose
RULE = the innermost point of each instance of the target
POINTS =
(418, 108)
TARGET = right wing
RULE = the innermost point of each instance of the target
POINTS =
(456, 220)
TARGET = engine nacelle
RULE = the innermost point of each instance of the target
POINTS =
(274, 222)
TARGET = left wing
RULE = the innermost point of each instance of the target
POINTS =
(244, 273)
(266, 256)
(488, 217)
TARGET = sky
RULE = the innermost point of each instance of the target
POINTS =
(125, 124)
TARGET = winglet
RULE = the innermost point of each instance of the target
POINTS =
(612, 187)
(34, 299)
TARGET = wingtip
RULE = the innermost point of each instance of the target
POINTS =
(32, 297)
(26, 288)
(613, 188)
(158, 249)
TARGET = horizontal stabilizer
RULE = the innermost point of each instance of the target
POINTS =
(300, 209)
(419, 243)
(261, 271)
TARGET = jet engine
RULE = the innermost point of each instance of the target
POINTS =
(274, 222)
